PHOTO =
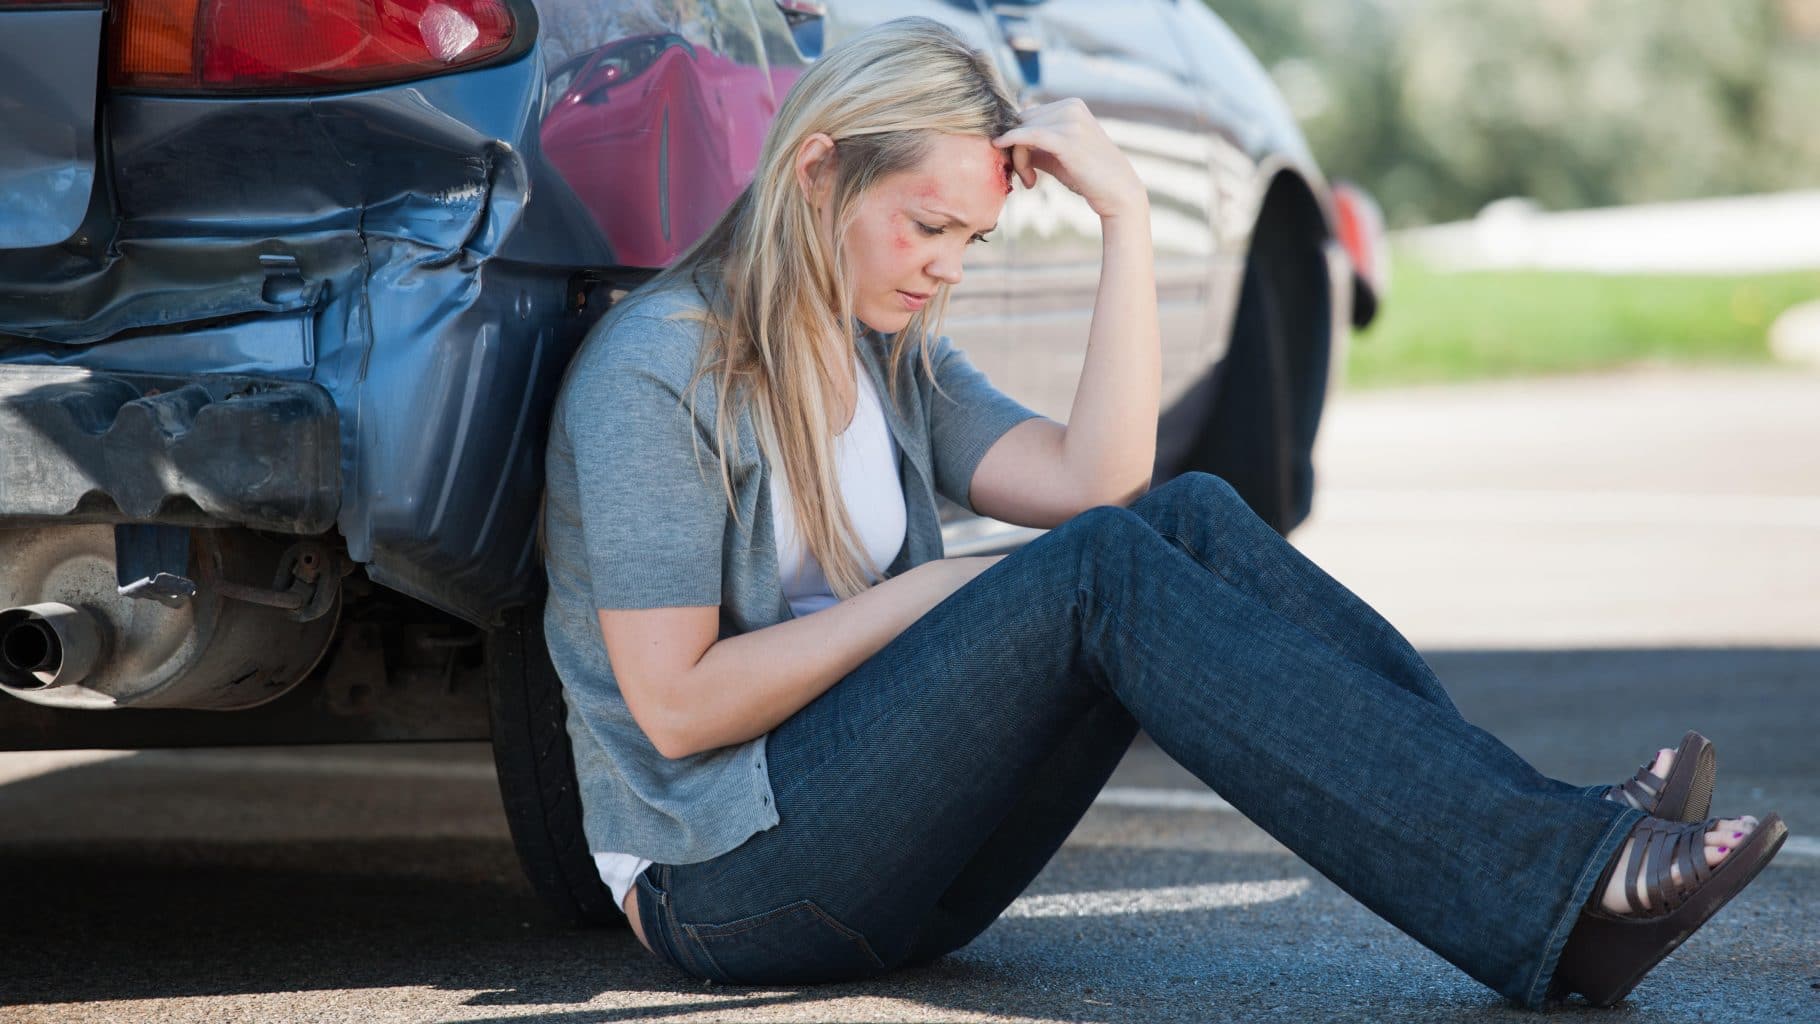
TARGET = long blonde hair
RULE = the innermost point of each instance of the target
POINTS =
(778, 320)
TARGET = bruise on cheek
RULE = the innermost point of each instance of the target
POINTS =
(900, 231)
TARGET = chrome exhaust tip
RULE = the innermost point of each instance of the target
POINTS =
(46, 645)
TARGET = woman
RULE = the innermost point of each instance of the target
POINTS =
(810, 748)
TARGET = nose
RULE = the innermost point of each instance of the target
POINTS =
(946, 267)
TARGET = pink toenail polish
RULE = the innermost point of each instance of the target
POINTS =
(1737, 835)
(1724, 849)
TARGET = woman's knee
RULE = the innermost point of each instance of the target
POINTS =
(1201, 490)
(1103, 539)
(1200, 498)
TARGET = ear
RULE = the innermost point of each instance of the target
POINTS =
(815, 160)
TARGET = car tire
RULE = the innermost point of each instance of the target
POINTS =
(537, 772)
(1269, 389)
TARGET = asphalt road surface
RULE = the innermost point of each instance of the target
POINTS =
(1592, 565)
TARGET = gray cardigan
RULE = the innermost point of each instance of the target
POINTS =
(631, 522)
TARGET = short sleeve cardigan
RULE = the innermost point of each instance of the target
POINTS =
(631, 522)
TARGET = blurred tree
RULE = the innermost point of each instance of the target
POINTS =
(1441, 106)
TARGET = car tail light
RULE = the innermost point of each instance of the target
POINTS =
(1360, 228)
(288, 45)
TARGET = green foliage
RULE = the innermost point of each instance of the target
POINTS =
(1458, 326)
(1440, 106)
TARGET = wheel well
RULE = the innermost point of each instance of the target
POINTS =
(1270, 388)
(1289, 209)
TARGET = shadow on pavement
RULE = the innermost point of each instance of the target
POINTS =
(101, 904)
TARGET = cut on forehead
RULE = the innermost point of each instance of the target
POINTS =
(961, 178)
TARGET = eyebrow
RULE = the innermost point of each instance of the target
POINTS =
(950, 218)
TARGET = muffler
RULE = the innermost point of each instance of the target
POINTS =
(46, 645)
(72, 636)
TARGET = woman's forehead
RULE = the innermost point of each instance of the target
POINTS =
(962, 175)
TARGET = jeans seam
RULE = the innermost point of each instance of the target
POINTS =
(656, 924)
(679, 938)
(713, 970)
(1577, 897)
(697, 932)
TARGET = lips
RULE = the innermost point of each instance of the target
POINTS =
(913, 300)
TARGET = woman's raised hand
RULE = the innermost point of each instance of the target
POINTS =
(1064, 140)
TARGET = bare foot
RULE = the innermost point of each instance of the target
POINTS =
(1724, 837)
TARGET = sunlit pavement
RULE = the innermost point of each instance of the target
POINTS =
(1592, 565)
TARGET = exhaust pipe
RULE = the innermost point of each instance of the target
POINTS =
(46, 645)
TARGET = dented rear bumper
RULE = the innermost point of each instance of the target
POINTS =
(81, 445)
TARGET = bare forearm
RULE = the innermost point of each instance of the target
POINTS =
(747, 685)
(1110, 442)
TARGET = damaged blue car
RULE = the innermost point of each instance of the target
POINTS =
(287, 288)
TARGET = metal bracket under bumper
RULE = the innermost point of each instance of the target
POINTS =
(244, 450)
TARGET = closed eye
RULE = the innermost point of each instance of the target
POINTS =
(932, 231)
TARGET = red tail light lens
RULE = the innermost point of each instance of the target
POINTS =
(1360, 229)
(281, 45)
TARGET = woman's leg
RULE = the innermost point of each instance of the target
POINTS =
(1029, 836)
(1204, 517)
(889, 783)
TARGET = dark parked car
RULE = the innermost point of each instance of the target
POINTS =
(286, 291)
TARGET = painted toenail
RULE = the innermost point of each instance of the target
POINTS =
(1737, 835)
(1724, 849)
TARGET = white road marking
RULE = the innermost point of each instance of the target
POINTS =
(1805, 849)
(1163, 799)
(1212, 896)
(16, 767)
(1796, 850)
(1543, 507)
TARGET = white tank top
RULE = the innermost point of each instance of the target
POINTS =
(866, 466)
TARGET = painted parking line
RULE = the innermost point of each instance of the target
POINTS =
(1167, 899)
(16, 767)
(19, 765)
(1801, 848)
(1803, 851)
(1163, 800)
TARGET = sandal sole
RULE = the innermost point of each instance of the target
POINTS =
(1619, 950)
(1688, 794)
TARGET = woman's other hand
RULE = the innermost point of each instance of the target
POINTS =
(1064, 140)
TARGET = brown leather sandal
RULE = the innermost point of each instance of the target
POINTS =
(1607, 954)
(1686, 794)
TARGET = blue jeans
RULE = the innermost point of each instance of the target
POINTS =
(920, 795)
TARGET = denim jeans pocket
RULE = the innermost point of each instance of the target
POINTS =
(798, 943)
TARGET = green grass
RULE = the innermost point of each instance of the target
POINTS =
(1439, 327)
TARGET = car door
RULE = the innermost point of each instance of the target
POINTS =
(1121, 60)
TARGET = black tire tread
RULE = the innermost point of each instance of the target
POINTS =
(537, 773)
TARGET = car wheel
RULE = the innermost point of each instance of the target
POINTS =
(1269, 390)
(537, 772)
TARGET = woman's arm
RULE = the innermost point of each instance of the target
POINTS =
(691, 693)
(1041, 472)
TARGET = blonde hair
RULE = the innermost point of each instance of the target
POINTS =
(780, 303)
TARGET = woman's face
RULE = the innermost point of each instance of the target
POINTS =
(912, 228)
